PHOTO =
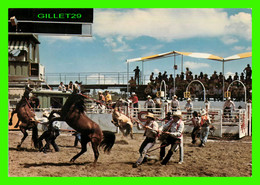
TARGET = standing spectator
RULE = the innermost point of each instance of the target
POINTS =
(236, 76)
(248, 71)
(227, 107)
(152, 78)
(149, 104)
(61, 87)
(137, 74)
(154, 91)
(132, 84)
(188, 107)
(172, 135)
(157, 100)
(134, 100)
(175, 105)
(187, 72)
(242, 77)
(151, 128)
(71, 87)
(108, 99)
(170, 81)
(101, 98)
(204, 132)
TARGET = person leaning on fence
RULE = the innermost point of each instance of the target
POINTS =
(175, 105)
(171, 134)
(149, 104)
(228, 105)
(151, 131)
(204, 131)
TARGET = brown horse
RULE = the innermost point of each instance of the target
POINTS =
(26, 116)
(73, 113)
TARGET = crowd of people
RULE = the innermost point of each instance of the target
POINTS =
(76, 87)
(213, 84)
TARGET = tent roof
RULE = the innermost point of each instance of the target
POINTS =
(192, 54)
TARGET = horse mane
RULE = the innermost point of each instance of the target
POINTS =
(74, 99)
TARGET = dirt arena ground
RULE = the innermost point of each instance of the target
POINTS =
(227, 158)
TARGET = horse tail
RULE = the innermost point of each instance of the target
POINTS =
(35, 136)
(108, 141)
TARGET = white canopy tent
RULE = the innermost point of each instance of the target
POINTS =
(190, 54)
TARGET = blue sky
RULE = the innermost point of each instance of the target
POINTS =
(120, 34)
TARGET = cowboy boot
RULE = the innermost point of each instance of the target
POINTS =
(167, 158)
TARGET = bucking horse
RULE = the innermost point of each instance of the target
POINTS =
(73, 113)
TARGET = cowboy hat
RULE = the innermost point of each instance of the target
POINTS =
(149, 96)
(177, 113)
(203, 112)
(174, 96)
(99, 92)
(228, 98)
(188, 99)
(150, 115)
(133, 93)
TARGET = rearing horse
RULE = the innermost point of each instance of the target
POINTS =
(26, 116)
(73, 113)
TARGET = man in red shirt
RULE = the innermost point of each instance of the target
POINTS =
(134, 100)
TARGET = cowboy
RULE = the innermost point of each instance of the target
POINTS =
(188, 107)
(151, 129)
(204, 131)
(149, 104)
(175, 103)
(173, 136)
(196, 123)
(227, 106)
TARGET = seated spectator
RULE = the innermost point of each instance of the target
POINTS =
(70, 87)
(61, 87)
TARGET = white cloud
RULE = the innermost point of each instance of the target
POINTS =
(229, 40)
(195, 65)
(54, 38)
(229, 74)
(169, 24)
(117, 44)
(156, 71)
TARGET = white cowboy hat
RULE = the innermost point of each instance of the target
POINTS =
(149, 96)
(45, 114)
(177, 113)
(174, 96)
(133, 93)
(228, 98)
(150, 115)
(188, 99)
(99, 92)
(203, 112)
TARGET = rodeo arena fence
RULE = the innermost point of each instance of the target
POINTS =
(226, 124)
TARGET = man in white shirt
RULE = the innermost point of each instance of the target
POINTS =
(151, 128)
(149, 104)
(175, 103)
(173, 131)
(228, 105)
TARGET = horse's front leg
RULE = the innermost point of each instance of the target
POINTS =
(11, 119)
(17, 124)
(84, 141)
(25, 134)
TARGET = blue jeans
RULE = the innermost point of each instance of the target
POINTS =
(204, 132)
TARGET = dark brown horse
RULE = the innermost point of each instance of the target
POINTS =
(73, 112)
(26, 116)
